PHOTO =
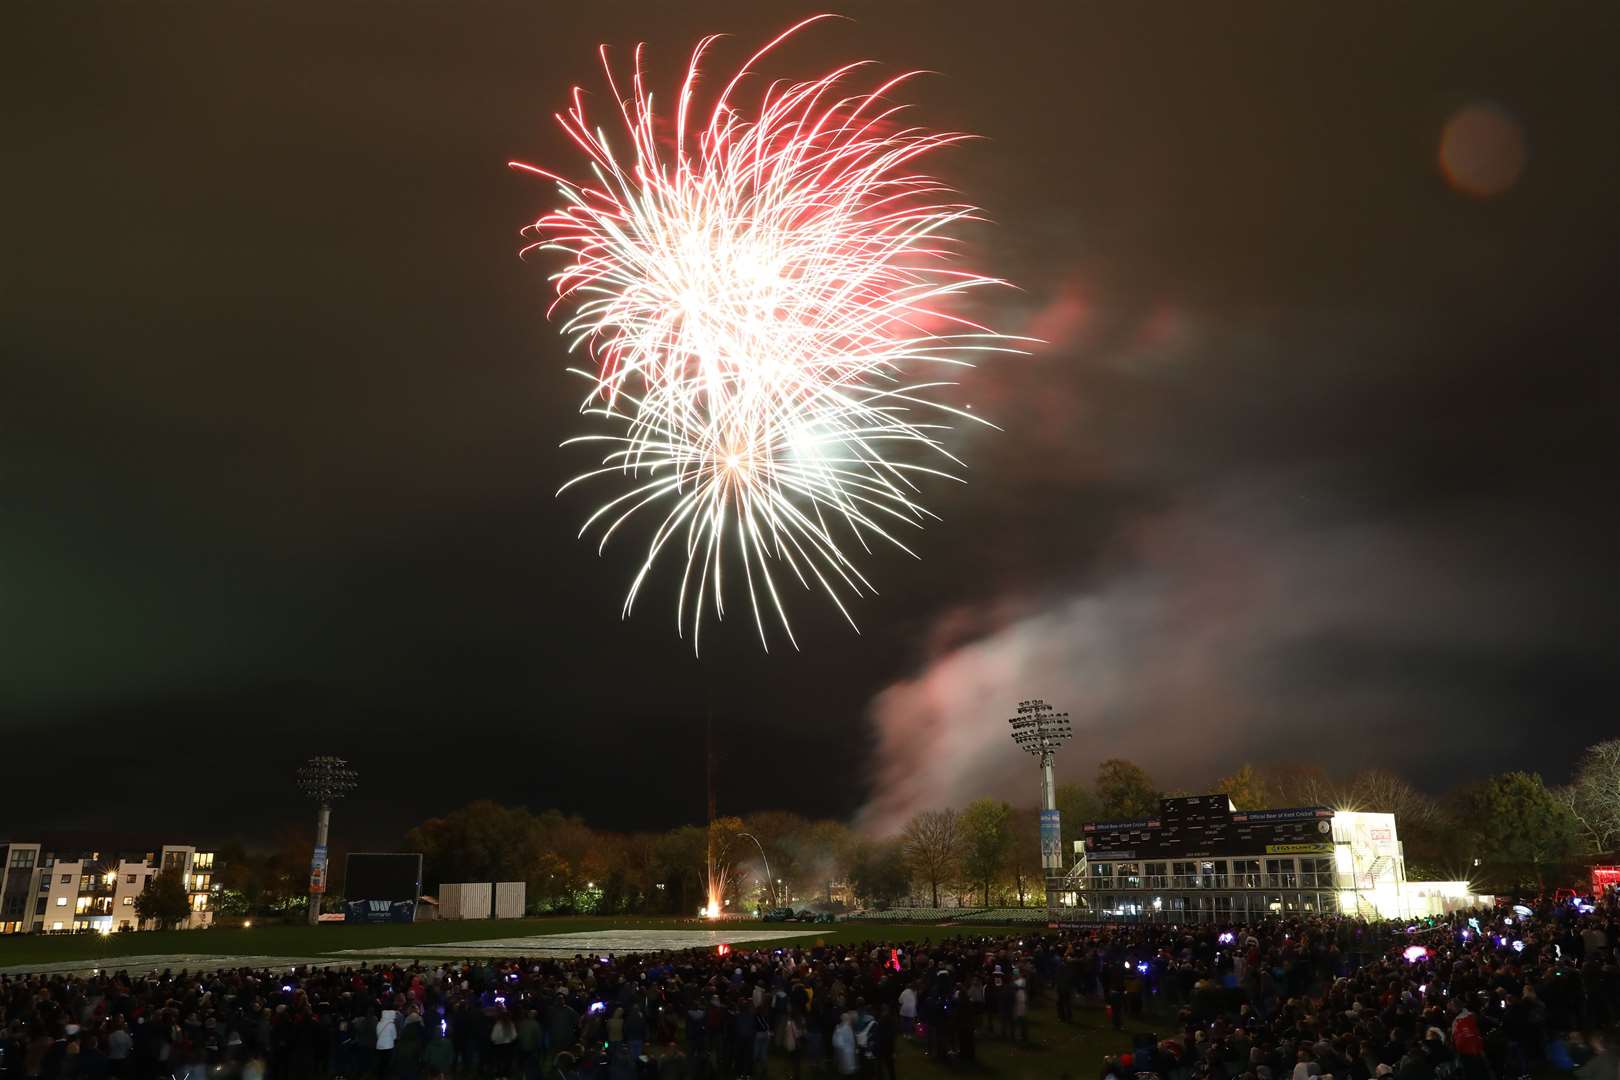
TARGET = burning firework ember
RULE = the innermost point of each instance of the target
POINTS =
(765, 295)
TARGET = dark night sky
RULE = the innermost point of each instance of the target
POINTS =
(1319, 463)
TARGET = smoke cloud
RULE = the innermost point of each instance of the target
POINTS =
(1252, 623)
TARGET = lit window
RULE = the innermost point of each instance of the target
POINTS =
(130, 880)
(129, 901)
(56, 926)
(61, 901)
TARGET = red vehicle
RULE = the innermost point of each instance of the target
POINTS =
(1604, 878)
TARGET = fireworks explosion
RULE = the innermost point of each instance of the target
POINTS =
(765, 298)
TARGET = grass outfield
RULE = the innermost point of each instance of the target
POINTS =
(312, 941)
(1055, 1051)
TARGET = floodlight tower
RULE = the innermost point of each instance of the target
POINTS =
(326, 780)
(1040, 731)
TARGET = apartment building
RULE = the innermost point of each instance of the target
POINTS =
(61, 888)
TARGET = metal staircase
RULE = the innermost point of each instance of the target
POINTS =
(1375, 870)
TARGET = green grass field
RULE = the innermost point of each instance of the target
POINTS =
(1056, 1051)
(314, 941)
(308, 941)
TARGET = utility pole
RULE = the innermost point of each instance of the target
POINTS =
(1040, 731)
(708, 762)
(326, 780)
(714, 886)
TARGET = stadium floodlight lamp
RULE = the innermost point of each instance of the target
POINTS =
(326, 779)
(1040, 729)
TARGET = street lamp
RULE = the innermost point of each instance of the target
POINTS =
(324, 779)
(1040, 730)
(768, 879)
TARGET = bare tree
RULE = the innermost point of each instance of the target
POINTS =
(1381, 790)
(1296, 785)
(1377, 790)
(1026, 849)
(932, 843)
(1594, 797)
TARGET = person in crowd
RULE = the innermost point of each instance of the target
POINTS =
(760, 1043)
(503, 1037)
(119, 1045)
(530, 1045)
(387, 1036)
(845, 1060)
(409, 1044)
(886, 1040)
(793, 1042)
(438, 1054)
(908, 1008)
(1336, 995)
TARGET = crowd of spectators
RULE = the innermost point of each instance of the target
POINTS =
(1490, 995)
(1482, 996)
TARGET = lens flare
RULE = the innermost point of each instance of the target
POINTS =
(768, 297)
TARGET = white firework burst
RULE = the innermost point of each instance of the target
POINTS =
(767, 302)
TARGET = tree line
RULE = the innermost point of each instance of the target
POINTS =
(1507, 832)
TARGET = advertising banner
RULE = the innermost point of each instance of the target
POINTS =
(1051, 840)
(1139, 823)
(317, 871)
(379, 911)
(382, 887)
(1296, 813)
(1299, 849)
